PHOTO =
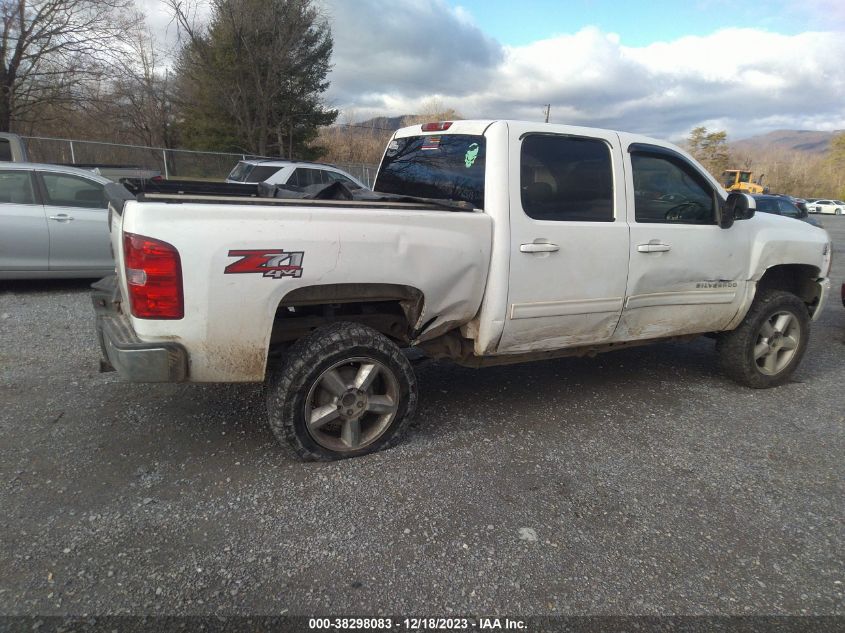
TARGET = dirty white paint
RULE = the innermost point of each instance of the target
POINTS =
(597, 287)
(228, 318)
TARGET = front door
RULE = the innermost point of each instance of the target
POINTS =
(687, 274)
(568, 240)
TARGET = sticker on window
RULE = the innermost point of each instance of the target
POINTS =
(431, 142)
(471, 155)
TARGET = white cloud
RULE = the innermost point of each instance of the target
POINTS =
(744, 80)
(392, 57)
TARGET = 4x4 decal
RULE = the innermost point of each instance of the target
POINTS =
(274, 263)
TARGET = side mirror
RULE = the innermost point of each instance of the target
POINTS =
(738, 206)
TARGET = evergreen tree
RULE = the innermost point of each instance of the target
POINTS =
(252, 80)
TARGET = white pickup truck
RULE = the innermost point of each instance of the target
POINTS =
(564, 241)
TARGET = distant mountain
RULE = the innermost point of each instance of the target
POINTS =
(809, 141)
(384, 123)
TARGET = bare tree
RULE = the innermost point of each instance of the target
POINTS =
(51, 49)
(142, 95)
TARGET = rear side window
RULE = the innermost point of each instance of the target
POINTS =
(16, 187)
(440, 166)
(566, 178)
(5, 149)
(64, 190)
(260, 173)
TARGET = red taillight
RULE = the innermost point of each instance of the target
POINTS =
(154, 278)
(440, 126)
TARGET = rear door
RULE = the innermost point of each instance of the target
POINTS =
(569, 240)
(77, 214)
(24, 238)
(686, 274)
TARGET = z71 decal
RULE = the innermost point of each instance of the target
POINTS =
(274, 263)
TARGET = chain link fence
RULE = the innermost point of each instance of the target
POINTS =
(171, 163)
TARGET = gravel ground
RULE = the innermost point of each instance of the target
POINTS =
(638, 482)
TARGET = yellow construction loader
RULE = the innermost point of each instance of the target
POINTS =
(740, 180)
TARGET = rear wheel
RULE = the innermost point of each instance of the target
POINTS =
(768, 345)
(342, 391)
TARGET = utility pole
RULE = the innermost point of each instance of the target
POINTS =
(548, 109)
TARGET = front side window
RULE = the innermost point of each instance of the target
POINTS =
(670, 191)
(304, 177)
(333, 176)
(788, 209)
(64, 190)
(16, 187)
(565, 178)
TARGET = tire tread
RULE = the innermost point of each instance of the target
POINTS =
(290, 378)
(734, 347)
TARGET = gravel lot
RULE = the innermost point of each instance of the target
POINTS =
(638, 482)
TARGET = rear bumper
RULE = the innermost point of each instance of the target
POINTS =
(122, 350)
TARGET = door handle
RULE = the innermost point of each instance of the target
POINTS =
(538, 248)
(62, 217)
(657, 247)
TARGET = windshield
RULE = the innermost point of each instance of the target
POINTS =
(442, 166)
(240, 171)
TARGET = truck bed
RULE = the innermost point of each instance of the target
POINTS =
(428, 250)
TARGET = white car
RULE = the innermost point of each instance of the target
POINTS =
(53, 222)
(285, 172)
(831, 207)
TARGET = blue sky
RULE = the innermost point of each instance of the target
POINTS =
(639, 23)
(656, 67)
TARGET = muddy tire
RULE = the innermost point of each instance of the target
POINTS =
(768, 345)
(342, 391)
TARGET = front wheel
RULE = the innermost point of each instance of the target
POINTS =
(342, 391)
(768, 345)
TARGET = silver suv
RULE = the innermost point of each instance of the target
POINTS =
(286, 172)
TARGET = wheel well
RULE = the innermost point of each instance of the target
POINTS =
(799, 279)
(390, 309)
